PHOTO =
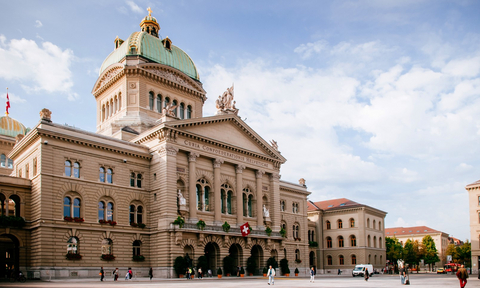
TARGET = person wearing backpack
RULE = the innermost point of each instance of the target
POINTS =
(271, 275)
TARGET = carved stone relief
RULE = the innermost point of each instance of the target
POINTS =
(171, 77)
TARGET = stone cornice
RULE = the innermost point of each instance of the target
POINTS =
(100, 87)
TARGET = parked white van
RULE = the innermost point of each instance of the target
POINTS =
(360, 270)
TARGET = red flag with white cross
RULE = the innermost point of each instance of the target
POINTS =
(245, 229)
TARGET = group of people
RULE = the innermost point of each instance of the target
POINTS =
(190, 273)
(128, 276)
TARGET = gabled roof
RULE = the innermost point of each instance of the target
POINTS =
(476, 183)
(416, 230)
(332, 204)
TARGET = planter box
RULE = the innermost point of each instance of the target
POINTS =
(287, 275)
(264, 274)
(219, 276)
(180, 276)
(242, 275)
(296, 274)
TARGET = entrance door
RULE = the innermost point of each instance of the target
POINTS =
(9, 259)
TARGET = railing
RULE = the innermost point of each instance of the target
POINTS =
(193, 226)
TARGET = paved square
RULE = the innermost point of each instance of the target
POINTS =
(384, 281)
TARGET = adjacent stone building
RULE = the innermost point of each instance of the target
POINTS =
(474, 209)
(344, 233)
(109, 198)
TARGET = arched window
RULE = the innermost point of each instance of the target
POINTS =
(282, 205)
(101, 210)
(374, 241)
(2, 203)
(67, 202)
(182, 111)
(340, 224)
(107, 247)
(354, 260)
(136, 214)
(229, 202)
(76, 170)
(368, 241)
(329, 242)
(14, 206)
(150, 100)
(136, 248)
(309, 236)
(379, 225)
(368, 222)
(223, 196)
(109, 211)
(189, 112)
(353, 241)
(203, 195)
(380, 243)
(132, 214)
(175, 111)
(352, 223)
(369, 259)
(72, 245)
(159, 103)
(226, 198)
(329, 260)
(102, 174)
(167, 101)
(340, 241)
(341, 260)
(3, 160)
(109, 176)
(249, 205)
(313, 235)
(375, 259)
(68, 168)
(139, 214)
(374, 224)
(10, 163)
(132, 179)
(245, 205)
(329, 226)
(76, 208)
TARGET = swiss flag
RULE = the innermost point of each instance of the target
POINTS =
(245, 229)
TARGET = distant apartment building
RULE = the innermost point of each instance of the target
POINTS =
(474, 208)
(417, 233)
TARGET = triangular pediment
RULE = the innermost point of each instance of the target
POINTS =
(227, 129)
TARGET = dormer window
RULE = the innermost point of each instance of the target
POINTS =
(167, 43)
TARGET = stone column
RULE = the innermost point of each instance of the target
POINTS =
(192, 180)
(275, 203)
(259, 176)
(167, 199)
(239, 190)
(216, 190)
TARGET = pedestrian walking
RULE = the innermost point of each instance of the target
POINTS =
(115, 274)
(150, 273)
(200, 273)
(190, 272)
(402, 275)
(210, 273)
(102, 274)
(366, 276)
(271, 275)
(339, 272)
(130, 273)
(312, 274)
(462, 276)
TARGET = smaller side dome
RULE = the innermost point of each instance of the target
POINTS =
(11, 127)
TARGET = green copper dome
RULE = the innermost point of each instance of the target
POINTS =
(11, 127)
(155, 50)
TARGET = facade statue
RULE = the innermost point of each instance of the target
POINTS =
(169, 110)
(225, 103)
(266, 212)
(181, 200)
(274, 144)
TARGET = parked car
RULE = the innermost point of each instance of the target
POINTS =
(441, 271)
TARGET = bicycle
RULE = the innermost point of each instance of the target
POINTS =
(20, 277)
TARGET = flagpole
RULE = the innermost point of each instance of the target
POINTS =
(7, 104)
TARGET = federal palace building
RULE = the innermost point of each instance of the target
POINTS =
(73, 201)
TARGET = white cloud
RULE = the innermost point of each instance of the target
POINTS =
(38, 24)
(469, 67)
(37, 68)
(134, 7)
(401, 223)
(307, 50)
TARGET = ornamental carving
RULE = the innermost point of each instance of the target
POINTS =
(217, 163)
(225, 103)
(171, 77)
(239, 168)
(259, 174)
(192, 156)
(169, 150)
(108, 76)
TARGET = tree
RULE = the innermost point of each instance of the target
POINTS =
(429, 250)
(409, 253)
(417, 247)
(465, 254)
(453, 250)
(394, 249)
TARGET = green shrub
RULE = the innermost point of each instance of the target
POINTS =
(180, 265)
(226, 226)
(296, 271)
(219, 271)
(265, 270)
(268, 230)
(273, 262)
(284, 266)
(251, 265)
(179, 221)
(202, 262)
(242, 271)
(229, 265)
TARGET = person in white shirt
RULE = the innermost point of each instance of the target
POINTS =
(271, 275)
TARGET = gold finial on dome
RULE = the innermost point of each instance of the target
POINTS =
(149, 24)
(149, 11)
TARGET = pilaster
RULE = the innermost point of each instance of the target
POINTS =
(259, 176)
(168, 211)
(192, 191)
(239, 191)
(275, 207)
(217, 163)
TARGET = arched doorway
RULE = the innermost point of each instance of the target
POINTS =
(9, 255)
(257, 257)
(212, 253)
(236, 252)
(312, 258)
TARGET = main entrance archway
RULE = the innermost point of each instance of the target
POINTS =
(257, 256)
(212, 253)
(236, 252)
(9, 255)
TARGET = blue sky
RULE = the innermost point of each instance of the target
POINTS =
(376, 100)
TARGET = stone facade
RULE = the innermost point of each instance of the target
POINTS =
(474, 209)
(346, 233)
(116, 192)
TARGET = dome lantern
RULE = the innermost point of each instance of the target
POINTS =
(149, 24)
